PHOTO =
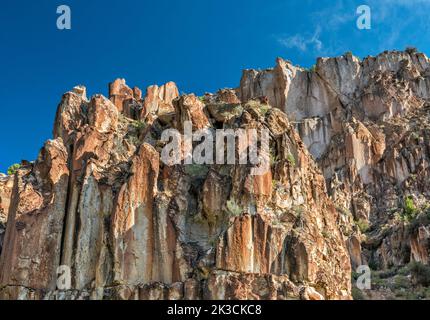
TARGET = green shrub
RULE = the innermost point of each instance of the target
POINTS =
(258, 107)
(409, 210)
(134, 140)
(378, 282)
(385, 274)
(343, 211)
(402, 294)
(355, 275)
(404, 271)
(233, 209)
(13, 169)
(420, 220)
(357, 294)
(415, 136)
(362, 225)
(196, 170)
(291, 160)
(298, 211)
(423, 293)
(373, 265)
(401, 282)
(138, 124)
(421, 273)
(264, 108)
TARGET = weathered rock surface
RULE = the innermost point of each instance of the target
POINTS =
(32, 243)
(6, 186)
(119, 218)
(158, 102)
(366, 124)
(348, 185)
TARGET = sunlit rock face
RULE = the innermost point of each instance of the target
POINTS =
(6, 186)
(349, 144)
(366, 125)
(100, 201)
(32, 242)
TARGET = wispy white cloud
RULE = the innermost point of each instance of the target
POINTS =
(395, 23)
(303, 42)
(399, 22)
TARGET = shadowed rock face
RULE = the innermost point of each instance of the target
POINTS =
(100, 201)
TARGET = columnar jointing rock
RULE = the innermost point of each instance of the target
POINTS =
(6, 186)
(32, 244)
(366, 124)
(100, 201)
(129, 226)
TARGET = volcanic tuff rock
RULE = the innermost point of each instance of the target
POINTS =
(6, 185)
(366, 124)
(348, 185)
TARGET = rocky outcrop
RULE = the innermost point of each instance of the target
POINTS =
(32, 243)
(133, 221)
(100, 203)
(158, 102)
(6, 186)
(347, 185)
(122, 96)
(365, 123)
(190, 108)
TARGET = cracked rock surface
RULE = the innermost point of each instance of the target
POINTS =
(348, 185)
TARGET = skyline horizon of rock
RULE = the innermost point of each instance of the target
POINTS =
(350, 143)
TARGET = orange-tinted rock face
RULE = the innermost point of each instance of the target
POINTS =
(137, 93)
(228, 96)
(420, 245)
(70, 116)
(252, 246)
(159, 101)
(116, 222)
(366, 124)
(33, 238)
(133, 221)
(100, 201)
(102, 114)
(119, 92)
(6, 186)
(190, 108)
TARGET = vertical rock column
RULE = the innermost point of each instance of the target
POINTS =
(34, 231)
(133, 223)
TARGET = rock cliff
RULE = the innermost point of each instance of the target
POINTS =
(347, 185)
(366, 125)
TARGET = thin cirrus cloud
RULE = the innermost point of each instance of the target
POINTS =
(390, 18)
(400, 21)
(320, 22)
(303, 42)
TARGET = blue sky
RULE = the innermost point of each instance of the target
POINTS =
(202, 45)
